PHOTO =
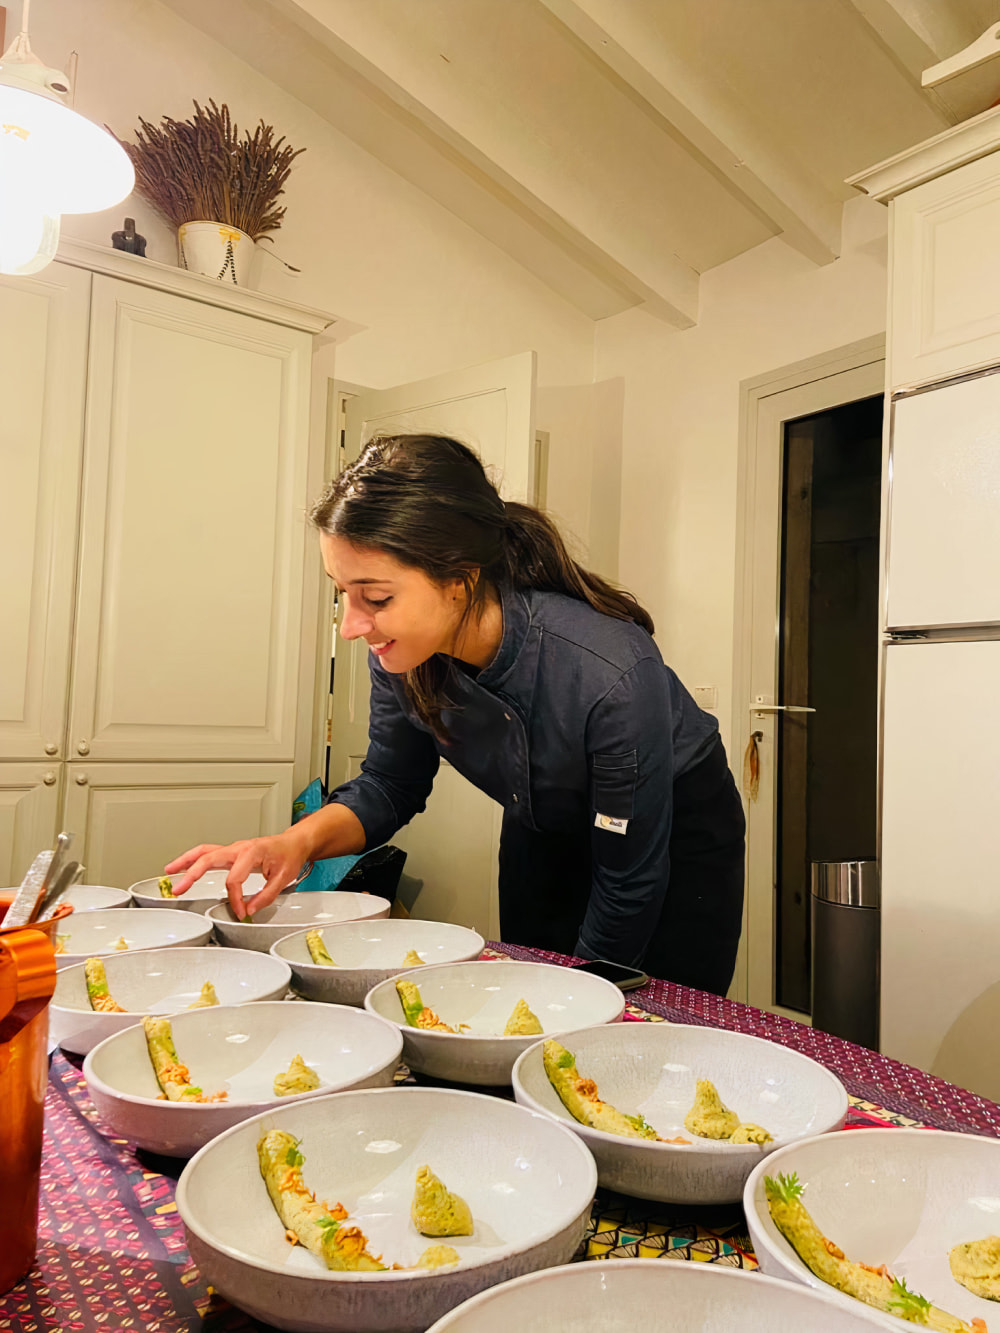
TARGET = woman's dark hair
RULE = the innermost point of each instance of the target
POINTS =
(427, 501)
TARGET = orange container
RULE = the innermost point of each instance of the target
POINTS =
(27, 980)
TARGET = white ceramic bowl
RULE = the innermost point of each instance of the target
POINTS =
(96, 897)
(91, 897)
(292, 912)
(94, 934)
(237, 1049)
(159, 981)
(643, 1296)
(367, 952)
(483, 995)
(528, 1181)
(900, 1197)
(652, 1068)
(203, 893)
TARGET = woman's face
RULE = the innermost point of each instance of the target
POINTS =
(403, 616)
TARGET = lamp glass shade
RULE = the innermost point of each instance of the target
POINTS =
(66, 162)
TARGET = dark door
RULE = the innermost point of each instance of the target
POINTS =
(828, 659)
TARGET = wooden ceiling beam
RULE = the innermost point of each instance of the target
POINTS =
(808, 217)
(666, 287)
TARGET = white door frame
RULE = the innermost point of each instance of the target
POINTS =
(766, 403)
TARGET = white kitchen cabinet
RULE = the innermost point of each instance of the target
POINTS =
(159, 629)
(193, 544)
(43, 365)
(945, 302)
(944, 281)
(29, 807)
(130, 819)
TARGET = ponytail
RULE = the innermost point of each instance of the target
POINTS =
(535, 556)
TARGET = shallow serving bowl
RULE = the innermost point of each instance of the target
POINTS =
(367, 952)
(96, 897)
(161, 981)
(90, 897)
(94, 934)
(651, 1068)
(483, 995)
(528, 1181)
(899, 1197)
(294, 911)
(203, 893)
(642, 1296)
(237, 1049)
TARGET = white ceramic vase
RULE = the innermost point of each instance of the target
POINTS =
(216, 250)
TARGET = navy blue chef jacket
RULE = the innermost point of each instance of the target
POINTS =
(623, 831)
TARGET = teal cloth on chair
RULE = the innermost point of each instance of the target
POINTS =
(325, 874)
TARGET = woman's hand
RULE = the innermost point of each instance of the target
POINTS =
(279, 858)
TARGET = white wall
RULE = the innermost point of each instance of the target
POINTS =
(431, 293)
(764, 310)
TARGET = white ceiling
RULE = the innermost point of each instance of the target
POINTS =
(619, 148)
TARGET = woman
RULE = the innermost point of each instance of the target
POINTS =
(623, 830)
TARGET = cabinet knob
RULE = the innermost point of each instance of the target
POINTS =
(52, 748)
(82, 747)
(49, 779)
(81, 779)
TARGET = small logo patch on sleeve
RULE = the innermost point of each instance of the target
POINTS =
(611, 824)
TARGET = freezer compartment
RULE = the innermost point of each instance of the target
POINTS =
(940, 857)
(943, 547)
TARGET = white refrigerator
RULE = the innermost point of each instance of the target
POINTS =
(940, 734)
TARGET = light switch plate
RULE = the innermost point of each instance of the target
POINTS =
(706, 696)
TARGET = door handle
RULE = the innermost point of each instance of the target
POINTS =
(761, 710)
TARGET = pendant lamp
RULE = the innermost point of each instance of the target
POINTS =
(52, 160)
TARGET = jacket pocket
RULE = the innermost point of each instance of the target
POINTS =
(612, 783)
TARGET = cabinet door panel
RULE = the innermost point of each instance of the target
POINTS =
(29, 803)
(130, 819)
(193, 538)
(42, 383)
(945, 286)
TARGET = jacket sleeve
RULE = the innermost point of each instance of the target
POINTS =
(398, 771)
(631, 764)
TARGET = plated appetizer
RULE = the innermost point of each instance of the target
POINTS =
(877, 1287)
(319, 953)
(102, 1001)
(322, 1228)
(522, 1022)
(580, 1097)
(708, 1118)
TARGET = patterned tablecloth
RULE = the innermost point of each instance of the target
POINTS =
(112, 1253)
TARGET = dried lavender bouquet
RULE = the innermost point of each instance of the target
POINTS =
(203, 170)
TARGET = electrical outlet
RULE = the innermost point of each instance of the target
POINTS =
(706, 696)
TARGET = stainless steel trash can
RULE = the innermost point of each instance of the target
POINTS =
(846, 930)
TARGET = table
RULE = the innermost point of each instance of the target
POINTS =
(112, 1253)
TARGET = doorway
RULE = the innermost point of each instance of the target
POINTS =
(806, 649)
(828, 655)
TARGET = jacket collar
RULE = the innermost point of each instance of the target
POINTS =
(516, 623)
